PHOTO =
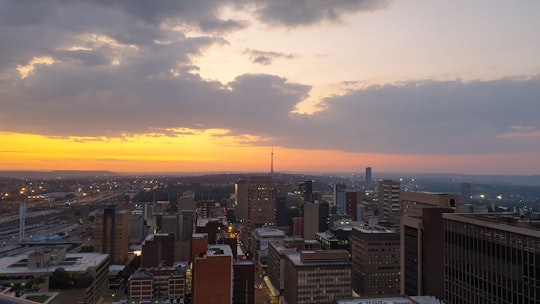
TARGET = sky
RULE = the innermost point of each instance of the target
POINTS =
(219, 85)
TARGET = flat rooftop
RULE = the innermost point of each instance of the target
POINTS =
(74, 262)
(503, 221)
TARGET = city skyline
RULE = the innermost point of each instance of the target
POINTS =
(181, 86)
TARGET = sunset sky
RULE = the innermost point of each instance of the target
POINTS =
(215, 85)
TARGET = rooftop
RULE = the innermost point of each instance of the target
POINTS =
(511, 222)
(394, 300)
(76, 262)
(374, 229)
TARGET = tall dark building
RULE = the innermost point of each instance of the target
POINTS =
(422, 253)
(112, 234)
(243, 282)
(491, 258)
(466, 193)
(158, 250)
(324, 216)
(281, 211)
(305, 189)
(368, 176)
(339, 198)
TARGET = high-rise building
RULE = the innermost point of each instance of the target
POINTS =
(352, 198)
(389, 202)
(422, 253)
(112, 234)
(320, 276)
(311, 220)
(466, 193)
(256, 202)
(186, 220)
(368, 176)
(491, 258)
(340, 198)
(199, 244)
(324, 215)
(158, 250)
(413, 202)
(213, 276)
(305, 189)
(243, 282)
(375, 261)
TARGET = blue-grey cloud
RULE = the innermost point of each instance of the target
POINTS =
(265, 57)
(293, 13)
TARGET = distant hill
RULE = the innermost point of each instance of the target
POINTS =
(55, 174)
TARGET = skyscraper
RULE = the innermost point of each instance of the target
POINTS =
(375, 261)
(305, 189)
(491, 258)
(340, 198)
(368, 176)
(112, 234)
(311, 220)
(213, 275)
(256, 202)
(422, 253)
(389, 202)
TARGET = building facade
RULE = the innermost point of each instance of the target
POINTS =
(491, 258)
(112, 234)
(213, 276)
(389, 201)
(375, 261)
(317, 276)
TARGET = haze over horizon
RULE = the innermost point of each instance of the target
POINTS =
(214, 86)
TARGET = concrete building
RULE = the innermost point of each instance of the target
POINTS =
(491, 258)
(317, 276)
(352, 198)
(413, 202)
(339, 198)
(199, 245)
(112, 234)
(392, 300)
(389, 201)
(186, 221)
(277, 251)
(375, 261)
(422, 253)
(87, 273)
(213, 276)
(311, 220)
(466, 193)
(158, 284)
(255, 203)
(158, 250)
(368, 179)
(305, 190)
(243, 282)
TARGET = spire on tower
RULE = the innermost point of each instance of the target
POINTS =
(272, 161)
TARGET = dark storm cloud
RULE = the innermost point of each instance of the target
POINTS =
(265, 57)
(292, 13)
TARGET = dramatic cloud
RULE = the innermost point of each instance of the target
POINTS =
(441, 117)
(264, 57)
(109, 68)
(293, 13)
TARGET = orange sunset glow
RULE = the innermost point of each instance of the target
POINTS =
(337, 86)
